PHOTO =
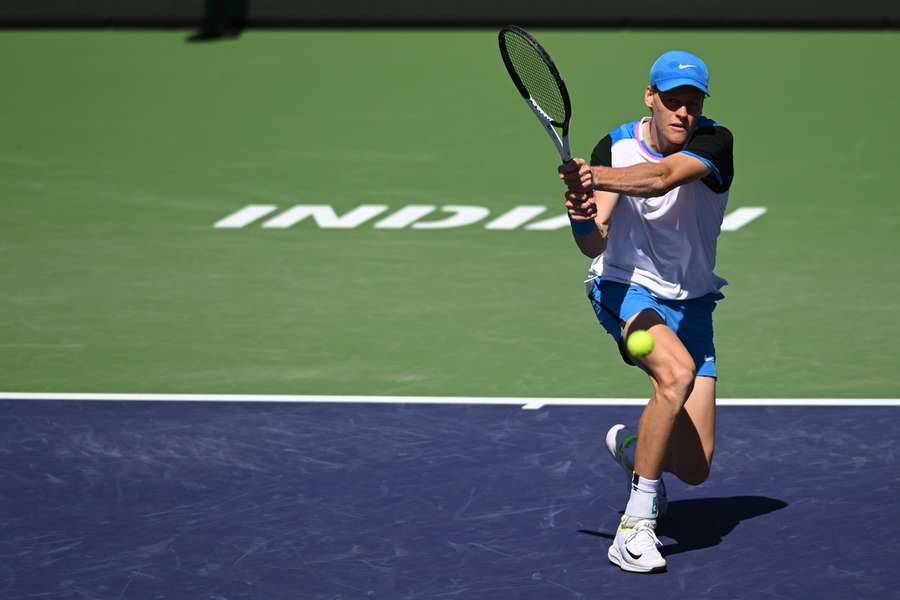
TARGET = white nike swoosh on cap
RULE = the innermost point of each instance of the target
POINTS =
(708, 358)
(681, 66)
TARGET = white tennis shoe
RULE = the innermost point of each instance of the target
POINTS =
(634, 547)
(620, 441)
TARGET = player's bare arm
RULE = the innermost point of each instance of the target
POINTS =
(582, 211)
(591, 206)
(646, 180)
(649, 180)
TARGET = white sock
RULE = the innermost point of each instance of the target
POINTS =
(642, 502)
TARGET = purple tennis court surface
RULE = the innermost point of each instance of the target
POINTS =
(327, 501)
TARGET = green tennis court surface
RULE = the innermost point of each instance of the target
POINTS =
(121, 150)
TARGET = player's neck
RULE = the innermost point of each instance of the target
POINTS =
(657, 143)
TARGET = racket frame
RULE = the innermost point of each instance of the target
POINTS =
(560, 142)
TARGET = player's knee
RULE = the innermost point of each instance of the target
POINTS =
(675, 385)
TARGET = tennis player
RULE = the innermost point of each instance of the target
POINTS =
(648, 211)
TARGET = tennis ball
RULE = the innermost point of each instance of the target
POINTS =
(640, 343)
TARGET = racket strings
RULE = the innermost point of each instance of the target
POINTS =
(536, 76)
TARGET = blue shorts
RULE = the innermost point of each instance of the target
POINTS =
(691, 320)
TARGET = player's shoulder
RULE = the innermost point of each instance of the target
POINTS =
(713, 144)
(625, 134)
(625, 131)
(711, 127)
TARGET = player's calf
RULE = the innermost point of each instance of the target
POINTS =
(693, 475)
(693, 441)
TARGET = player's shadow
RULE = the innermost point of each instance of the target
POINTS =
(703, 522)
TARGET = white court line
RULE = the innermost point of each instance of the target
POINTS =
(525, 403)
(740, 217)
(245, 216)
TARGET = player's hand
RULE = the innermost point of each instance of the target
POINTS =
(577, 175)
(580, 206)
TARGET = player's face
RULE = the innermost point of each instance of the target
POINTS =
(675, 112)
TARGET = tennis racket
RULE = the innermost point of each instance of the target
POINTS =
(539, 82)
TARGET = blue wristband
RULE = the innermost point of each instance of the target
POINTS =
(582, 227)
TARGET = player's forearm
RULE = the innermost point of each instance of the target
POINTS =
(646, 180)
(591, 244)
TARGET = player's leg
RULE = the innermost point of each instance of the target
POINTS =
(671, 371)
(691, 446)
(693, 440)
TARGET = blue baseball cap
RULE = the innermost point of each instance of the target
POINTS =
(677, 67)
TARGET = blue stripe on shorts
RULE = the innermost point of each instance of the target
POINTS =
(691, 320)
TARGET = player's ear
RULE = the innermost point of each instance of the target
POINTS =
(649, 91)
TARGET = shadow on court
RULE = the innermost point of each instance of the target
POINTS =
(703, 522)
